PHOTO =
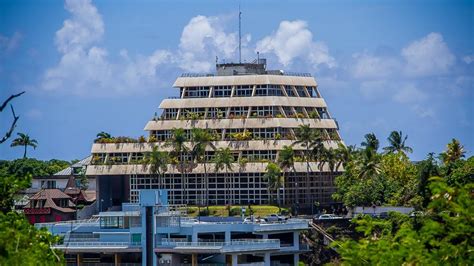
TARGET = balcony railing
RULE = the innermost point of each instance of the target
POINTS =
(85, 244)
(230, 246)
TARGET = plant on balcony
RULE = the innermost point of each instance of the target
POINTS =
(280, 116)
(231, 116)
(277, 136)
(269, 116)
(96, 159)
(313, 114)
(152, 138)
(300, 115)
(141, 139)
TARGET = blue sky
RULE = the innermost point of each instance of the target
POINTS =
(106, 65)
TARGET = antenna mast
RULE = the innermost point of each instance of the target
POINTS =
(240, 37)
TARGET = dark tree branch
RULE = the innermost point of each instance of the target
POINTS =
(15, 117)
(4, 104)
(12, 127)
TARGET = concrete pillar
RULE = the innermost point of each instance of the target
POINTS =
(296, 259)
(194, 259)
(194, 237)
(266, 259)
(118, 259)
(79, 259)
(296, 240)
(234, 260)
(227, 236)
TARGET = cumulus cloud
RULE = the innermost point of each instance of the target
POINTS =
(428, 56)
(368, 66)
(204, 38)
(409, 94)
(9, 44)
(294, 40)
(85, 67)
(468, 59)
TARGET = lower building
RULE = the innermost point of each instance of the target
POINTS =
(153, 232)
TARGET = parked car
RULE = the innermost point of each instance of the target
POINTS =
(248, 220)
(275, 218)
(328, 216)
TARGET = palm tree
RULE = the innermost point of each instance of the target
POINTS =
(25, 141)
(306, 136)
(397, 143)
(201, 139)
(369, 163)
(454, 151)
(178, 143)
(371, 142)
(223, 160)
(329, 157)
(275, 180)
(102, 135)
(286, 161)
(158, 161)
(344, 154)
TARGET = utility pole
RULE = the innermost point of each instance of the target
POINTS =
(240, 36)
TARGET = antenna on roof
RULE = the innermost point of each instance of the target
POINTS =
(240, 36)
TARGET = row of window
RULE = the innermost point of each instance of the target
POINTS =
(244, 112)
(248, 91)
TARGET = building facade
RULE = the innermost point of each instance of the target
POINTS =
(251, 110)
(152, 232)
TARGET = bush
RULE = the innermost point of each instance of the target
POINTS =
(235, 211)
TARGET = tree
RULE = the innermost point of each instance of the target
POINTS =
(426, 169)
(201, 139)
(223, 160)
(442, 236)
(329, 157)
(25, 141)
(178, 143)
(158, 161)
(22, 244)
(368, 163)
(102, 135)
(344, 154)
(286, 161)
(275, 180)
(371, 142)
(307, 138)
(397, 143)
(15, 117)
(454, 151)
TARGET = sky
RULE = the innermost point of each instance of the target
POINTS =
(92, 66)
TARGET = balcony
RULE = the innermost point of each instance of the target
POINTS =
(97, 245)
(247, 245)
(292, 224)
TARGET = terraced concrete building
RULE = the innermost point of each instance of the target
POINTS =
(253, 111)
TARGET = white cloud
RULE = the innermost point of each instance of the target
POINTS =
(9, 44)
(468, 59)
(294, 40)
(409, 94)
(85, 67)
(204, 38)
(368, 66)
(428, 56)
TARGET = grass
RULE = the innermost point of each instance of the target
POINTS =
(222, 211)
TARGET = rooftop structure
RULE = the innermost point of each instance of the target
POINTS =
(255, 112)
(152, 232)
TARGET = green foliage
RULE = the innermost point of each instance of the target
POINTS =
(235, 211)
(24, 140)
(9, 186)
(33, 167)
(443, 236)
(23, 244)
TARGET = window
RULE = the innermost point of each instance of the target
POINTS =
(301, 91)
(136, 238)
(111, 222)
(243, 91)
(222, 91)
(170, 113)
(196, 92)
(49, 184)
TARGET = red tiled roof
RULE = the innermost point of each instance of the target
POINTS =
(49, 195)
